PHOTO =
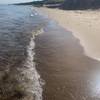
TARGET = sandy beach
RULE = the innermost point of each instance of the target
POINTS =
(85, 25)
(67, 72)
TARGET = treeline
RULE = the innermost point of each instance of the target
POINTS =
(53, 1)
(67, 4)
(81, 4)
(43, 2)
(76, 4)
(35, 3)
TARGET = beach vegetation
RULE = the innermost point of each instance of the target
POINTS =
(53, 1)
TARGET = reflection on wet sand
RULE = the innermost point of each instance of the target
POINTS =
(69, 74)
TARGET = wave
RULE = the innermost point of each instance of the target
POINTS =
(35, 84)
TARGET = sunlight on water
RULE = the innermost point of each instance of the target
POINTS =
(95, 84)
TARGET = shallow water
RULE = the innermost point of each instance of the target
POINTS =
(69, 73)
(18, 75)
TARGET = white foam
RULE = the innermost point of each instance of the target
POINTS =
(32, 15)
(88, 47)
(32, 74)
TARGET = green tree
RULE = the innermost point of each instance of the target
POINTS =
(53, 1)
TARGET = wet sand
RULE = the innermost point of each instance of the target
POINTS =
(83, 23)
(68, 73)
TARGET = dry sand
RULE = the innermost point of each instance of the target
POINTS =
(83, 24)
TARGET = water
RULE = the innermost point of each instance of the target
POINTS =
(18, 75)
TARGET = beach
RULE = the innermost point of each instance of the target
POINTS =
(41, 59)
(65, 58)
(67, 72)
(83, 24)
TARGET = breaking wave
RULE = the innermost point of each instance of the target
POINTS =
(31, 73)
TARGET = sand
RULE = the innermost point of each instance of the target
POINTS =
(68, 73)
(85, 25)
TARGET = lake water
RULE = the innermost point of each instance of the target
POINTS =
(18, 75)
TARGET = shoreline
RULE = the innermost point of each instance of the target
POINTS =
(83, 24)
(67, 72)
